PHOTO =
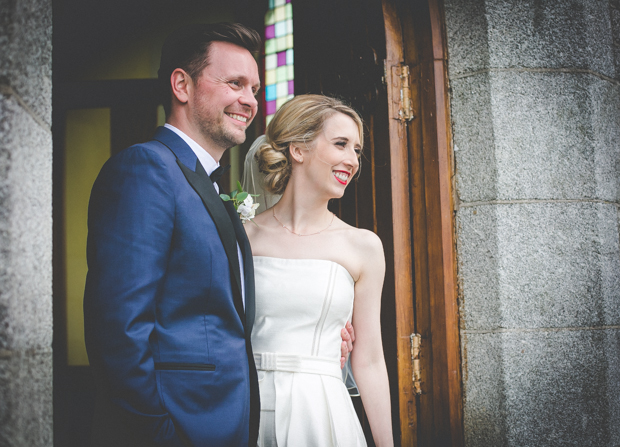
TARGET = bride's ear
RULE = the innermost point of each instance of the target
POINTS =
(296, 153)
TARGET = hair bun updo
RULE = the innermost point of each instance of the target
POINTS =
(275, 164)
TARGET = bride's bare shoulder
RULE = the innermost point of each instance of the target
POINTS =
(368, 242)
(362, 241)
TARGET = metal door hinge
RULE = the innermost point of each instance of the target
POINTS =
(406, 108)
(399, 79)
(416, 346)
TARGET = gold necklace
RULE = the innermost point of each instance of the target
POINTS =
(297, 234)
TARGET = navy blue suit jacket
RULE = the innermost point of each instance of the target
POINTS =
(166, 332)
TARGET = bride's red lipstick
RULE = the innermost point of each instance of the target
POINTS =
(343, 182)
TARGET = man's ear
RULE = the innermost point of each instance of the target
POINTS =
(181, 84)
(296, 153)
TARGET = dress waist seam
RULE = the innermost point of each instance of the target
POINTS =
(278, 361)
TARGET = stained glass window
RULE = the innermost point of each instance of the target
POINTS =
(279, 73)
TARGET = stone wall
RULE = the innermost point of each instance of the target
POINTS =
(536, 124)
(25, 223)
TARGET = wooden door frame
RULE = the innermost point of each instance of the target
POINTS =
(423, 226)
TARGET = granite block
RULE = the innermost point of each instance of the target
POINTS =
(26, 58)
(484, 394)
(478, 272)
(566, 34)
(605, 118)
(474, 138)
(466, 36)
(615, 25)
(25, 230)
(538, 265)
(536, 136)
(557, 388)
(26, 419)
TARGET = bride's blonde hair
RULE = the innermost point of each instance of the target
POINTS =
(299, 120)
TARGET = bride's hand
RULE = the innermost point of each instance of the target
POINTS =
(348, 337)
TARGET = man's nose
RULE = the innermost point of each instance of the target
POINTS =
(248, 99)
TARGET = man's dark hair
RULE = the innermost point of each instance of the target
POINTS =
(188, 48)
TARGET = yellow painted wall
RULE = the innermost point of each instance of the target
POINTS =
(86, 150)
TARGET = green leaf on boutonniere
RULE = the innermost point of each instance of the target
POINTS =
(243, 203)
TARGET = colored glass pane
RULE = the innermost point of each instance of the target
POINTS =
(282, 89)
(272, 92)
(280, 102)
(282, 74)
(289, 57)
(270, 17)
(291, 87)
(280, 43)
(270, 107)
(281, 58)
(288, 11)
(280, 29)
(289, 42)
(280, 13)
(270, 32)
(279, 2)
(290, 72)
(289, 26)
(270, 77)
(271, 61)
(270, 46)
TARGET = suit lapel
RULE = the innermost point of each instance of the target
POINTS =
(248, 266)
(201, 183)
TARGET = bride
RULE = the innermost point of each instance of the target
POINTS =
(313, 274)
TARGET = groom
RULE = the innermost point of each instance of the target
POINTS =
(169, 299)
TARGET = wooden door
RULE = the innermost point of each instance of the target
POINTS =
(357, 50)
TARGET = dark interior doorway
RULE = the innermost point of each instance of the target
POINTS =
(105, 58)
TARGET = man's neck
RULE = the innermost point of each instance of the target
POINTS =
(197, 136)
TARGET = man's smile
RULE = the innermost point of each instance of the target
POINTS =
(243, 119)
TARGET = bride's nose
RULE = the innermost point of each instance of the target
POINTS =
(352, 160)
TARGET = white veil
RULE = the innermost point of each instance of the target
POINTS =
(253, 179)
(253, 183)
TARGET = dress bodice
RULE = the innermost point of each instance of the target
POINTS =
(301, 306)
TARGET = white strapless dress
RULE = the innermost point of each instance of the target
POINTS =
(301, 307)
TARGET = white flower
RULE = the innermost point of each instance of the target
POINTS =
(249, 201)
(247, 209)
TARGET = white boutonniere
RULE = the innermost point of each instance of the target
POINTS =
(243, 203)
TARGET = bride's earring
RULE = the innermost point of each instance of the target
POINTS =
(297, 157)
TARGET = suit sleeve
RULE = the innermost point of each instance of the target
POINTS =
(130, 226)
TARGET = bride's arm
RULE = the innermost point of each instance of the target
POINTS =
(367, 358)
